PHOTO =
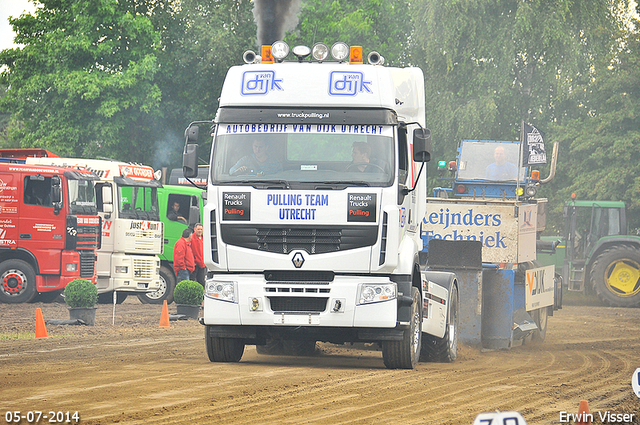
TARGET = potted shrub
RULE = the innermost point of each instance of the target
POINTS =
(188, 296)
(81, 296)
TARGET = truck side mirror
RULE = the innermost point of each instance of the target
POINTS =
(190, 160)
(107, 200)
(56, 194)
(422, 145)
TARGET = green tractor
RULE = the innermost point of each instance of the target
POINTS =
(599, 254)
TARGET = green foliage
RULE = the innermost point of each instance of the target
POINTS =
(599, 143)
(80, 293)
(377, 25)
(84, 81)
(188, 292)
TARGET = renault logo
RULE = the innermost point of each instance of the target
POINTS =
(298, 260)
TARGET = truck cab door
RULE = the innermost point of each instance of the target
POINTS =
(42, 227)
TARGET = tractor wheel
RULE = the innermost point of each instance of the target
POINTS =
(18, 282)
(223, 349)
(615, 276)
(404, 354)
(165, 292)
(445, 349)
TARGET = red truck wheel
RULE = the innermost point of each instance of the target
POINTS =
(18, 282)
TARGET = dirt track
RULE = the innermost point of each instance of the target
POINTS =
(137, 373)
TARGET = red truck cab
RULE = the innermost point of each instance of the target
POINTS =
(49, 229)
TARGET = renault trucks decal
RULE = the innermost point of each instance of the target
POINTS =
(236, 206)
(362, 207)
(259, 83)
(348, 83)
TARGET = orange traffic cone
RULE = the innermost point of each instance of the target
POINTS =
(584, 417)
(164, 317)
(41, 328)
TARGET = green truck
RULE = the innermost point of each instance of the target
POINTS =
(597, 254)
(191, 201)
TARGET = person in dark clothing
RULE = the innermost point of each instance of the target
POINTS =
(174, 214)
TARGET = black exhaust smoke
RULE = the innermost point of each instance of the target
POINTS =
(274, 18)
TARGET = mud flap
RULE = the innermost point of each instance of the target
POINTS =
(523, 324)
(464, 258)
(498, 308)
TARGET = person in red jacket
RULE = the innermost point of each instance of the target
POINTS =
(197, 246)
(183, 260)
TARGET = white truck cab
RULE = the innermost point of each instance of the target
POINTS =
(312, 226)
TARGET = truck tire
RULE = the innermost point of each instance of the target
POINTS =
(107, 298)
(165, 292)
(223, 349)
(615, 276)
(404, 354)
(18, 282)
(540, 316)
(445, 349)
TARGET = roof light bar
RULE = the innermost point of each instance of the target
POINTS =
(279, 50)
(340, 51)
(320, 51)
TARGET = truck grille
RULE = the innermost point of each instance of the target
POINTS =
(314, 240)
(146, 241)
(87, 237)
(87, 263)
(297, 304)
(144, 268)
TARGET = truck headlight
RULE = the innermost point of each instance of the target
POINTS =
(221, 290)
(72, 267)
(376, 292)
(122, 269)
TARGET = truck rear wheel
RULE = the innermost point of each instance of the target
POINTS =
(404, 354)
(540, 316)
(18, 282)
(445, 349)
(223, 349)
(615, 276)
(164, 292)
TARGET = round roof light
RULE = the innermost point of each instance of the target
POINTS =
(279, 50)
(340, 51)
(320, 51)
(301, 52)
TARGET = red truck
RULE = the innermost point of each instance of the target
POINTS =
(49, 229)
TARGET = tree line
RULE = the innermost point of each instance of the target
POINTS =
(123, 78)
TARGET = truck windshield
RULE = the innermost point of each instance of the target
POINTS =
(138, 202)
(81, 197)
(302, 155)
(494, 161)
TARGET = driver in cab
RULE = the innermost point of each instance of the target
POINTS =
(258, 163)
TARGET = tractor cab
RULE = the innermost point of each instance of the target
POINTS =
(487, 169)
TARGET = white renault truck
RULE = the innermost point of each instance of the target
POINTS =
(132, 233)
(316, 193)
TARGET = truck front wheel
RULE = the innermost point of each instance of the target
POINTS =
(445, 349)
(404, 354)
(615, 276)
(223, 349)
(165, 292)
(18, 282)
